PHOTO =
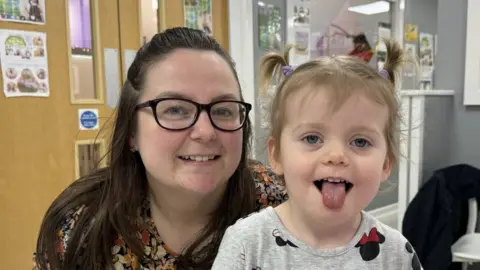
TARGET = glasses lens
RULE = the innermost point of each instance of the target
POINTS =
(228, 115)
(175, 114)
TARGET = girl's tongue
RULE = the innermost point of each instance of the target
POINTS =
(333, 194)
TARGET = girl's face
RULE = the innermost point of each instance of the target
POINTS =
(333, 161)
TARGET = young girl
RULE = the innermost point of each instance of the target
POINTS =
(333, 140)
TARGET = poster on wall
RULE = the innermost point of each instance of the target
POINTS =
(198, 15)
(298, 16)
(411, 32)
(411, 50)
(23, 11)
(301, 52)
(24, 63)
(302, 41)
(269, 27)
(426, 56)
(300, 12)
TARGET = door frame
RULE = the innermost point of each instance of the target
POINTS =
(241, 40)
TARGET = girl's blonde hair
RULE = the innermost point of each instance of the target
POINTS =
(340, 76)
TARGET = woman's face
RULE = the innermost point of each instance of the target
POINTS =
(181, 160)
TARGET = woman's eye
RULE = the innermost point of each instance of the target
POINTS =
(311, 139)
(223, 112)
(176, 110)
(362, 143)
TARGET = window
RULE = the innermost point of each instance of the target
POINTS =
(321, 27)
(89, 155)
(82, 57)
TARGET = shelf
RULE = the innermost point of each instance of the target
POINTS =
(417, 92)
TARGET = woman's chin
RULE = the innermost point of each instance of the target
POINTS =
(204, 186)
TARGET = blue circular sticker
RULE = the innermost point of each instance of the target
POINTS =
(88, 119)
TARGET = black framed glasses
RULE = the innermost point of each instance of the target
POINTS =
(179, 114)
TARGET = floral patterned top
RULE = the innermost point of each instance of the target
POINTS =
(269, 191)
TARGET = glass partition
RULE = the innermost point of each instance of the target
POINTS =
(320, 28)
(332, 27)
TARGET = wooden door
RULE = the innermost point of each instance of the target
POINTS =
(171, 14)
(43, 149)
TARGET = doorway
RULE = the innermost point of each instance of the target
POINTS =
(44, 145)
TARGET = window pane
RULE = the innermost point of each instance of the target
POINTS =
(83, 69)
(326, 27)
(88, 157)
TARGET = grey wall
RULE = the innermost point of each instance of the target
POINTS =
(424, 14)
(451, 129)
(465, 126)
(437, 145)
(438, 110)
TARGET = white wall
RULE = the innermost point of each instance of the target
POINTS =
(242, 50)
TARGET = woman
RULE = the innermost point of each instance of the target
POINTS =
(178, 174)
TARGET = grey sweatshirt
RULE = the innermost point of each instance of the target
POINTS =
(261, 242)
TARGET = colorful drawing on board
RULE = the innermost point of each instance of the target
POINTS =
(301, 12)
(426, 56)
(23, 11)
(198, 15)
(411, 32)
(24, 63)
(302, 41)
(411, 50)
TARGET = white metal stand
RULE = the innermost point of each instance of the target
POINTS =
(411, 145)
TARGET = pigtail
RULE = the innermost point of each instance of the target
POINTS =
(271, 67)
(396, 57)
(286, 53)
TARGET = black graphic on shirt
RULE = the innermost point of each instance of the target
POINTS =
(280, 241)
(415, 260)
(370, 244)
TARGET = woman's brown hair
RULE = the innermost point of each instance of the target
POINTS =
(112, 196)
(342, 75)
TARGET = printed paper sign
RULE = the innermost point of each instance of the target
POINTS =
(24, 63)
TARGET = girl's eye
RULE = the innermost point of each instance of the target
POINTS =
(362, 143)
(311, 139)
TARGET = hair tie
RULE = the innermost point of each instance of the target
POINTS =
(287, 70)
(384, 74)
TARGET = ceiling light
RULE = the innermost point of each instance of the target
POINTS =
(372, 8)
(260, 3)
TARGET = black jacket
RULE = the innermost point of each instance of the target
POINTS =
(438, 214)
